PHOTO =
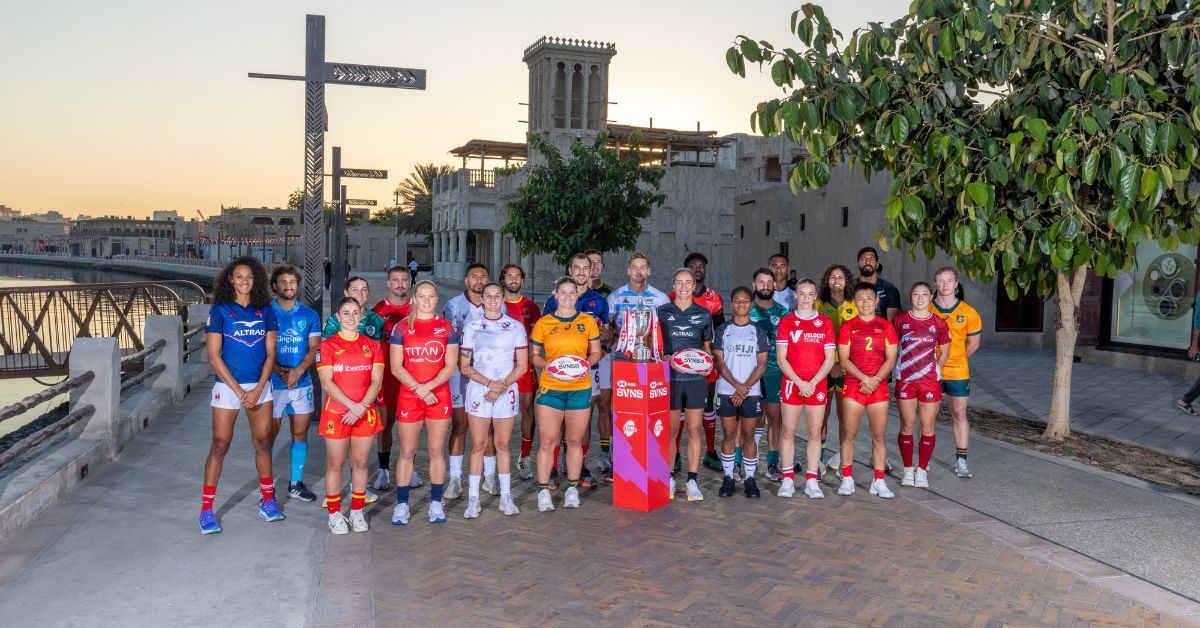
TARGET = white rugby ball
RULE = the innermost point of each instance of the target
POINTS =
(692, 361)
(568, 368)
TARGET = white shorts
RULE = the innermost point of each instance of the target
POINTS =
(505, 407)
(605, 373)
(456, 389)
(223, 397)
(298, 400)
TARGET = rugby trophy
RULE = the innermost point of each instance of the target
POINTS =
(641, 412)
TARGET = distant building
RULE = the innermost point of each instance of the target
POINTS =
(109, 236)
(28, 236)
(8, 213)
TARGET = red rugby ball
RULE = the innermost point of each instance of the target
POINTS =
(692, 361)
(568, 368)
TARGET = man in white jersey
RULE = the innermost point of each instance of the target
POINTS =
(459, 310)
(784, 295)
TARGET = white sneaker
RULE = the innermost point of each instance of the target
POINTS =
(545, 501)
(847, 487)
(436, 513)
(835, 461)
(358, 522)
(416, 480)
(507, 506)
(382, 478)
(961, 469)
(369, 497)
(671, 488)
(337, 524)
(453, 488)
(693, 492)
(812, 488)
(400, 515)
(472, 511)
(525, 467)
(490, 485)
(922, 479)
(908, 478)
(571, 497)
(787, 489)
(880, 488)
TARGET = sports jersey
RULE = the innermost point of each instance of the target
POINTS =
(786, 298)
(604, 289)
(459, 310)
(837, 314)
(590, 302)
(868, 342)
(624, 298)
(352, 360)
(524, 311)
(963, 321)
(296, 326)
(739, 346)
(769, 317)
(564, 336)
(708, 299)
(806, 340)
(919, 340)
(371, 324)
(243, 338)
(684, 329)
(886, 296)
(390, 313)
(493, 343)
(424, 345)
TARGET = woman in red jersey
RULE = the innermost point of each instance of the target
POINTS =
(804, 344)
(424, 353)
(350, 366)
(924, 348)
(867, 351)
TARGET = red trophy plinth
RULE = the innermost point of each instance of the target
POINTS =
(641, 434)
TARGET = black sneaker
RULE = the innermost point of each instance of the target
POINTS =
(300, 492)
(727, 486)
(1185, 407)
(752, 489)
(586, 480)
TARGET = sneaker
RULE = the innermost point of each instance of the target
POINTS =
(301, 492)
(585, 478)
(269, 510)
(507, 506)
(787, 489)
(416, 481)
(671, 488)
(472, 511)
(545, 501)
(727, 486)
(571, 497)
(908, 478)
(358, 522)
(880, 488)
(337, 524)
(835, 461)
(961, 469)
(847, 486)
(208, 522)
(453, 488)
(525, 467)
(678, 463)
(369, 497)
(773, 473)
(922, 479)
(608, 476)
(1185, 407)
(711, 461)
(490, 485)
(400, 515)
(812, 488)
(693, 492)
(383, 478)
(553, 479)
(606, 461)
(436, 513)
(751, 488)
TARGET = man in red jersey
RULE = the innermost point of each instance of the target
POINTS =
(391, 308)
(522, 309)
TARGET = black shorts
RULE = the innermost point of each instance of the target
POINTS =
(751, 407)
(689, 394)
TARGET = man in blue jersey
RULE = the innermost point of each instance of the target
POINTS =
(459, 311)
(295, 350)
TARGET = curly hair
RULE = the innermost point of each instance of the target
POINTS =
(223, 283)
(823, 290)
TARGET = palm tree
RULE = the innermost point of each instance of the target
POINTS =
(415, 194)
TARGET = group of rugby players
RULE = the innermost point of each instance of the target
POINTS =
(788, 347)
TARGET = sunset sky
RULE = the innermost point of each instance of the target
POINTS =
(124, 107)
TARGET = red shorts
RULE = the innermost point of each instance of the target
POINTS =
(925, 392)
(388, 392)
(525, 384)
(789, 393)
(411, 409)
(333, 428)
(853, 393)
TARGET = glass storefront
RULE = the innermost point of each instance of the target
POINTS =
(1152, 304)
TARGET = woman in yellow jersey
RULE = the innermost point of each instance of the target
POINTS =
(837, 303)
(966, 330)
(565, 331)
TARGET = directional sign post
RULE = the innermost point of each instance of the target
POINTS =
(338, 247)
(318, 73)
(361, 202)
(364, 173)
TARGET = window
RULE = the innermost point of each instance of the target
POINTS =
(741, 232)
(802, 222)
(577, 97)
(845, 216)
(1023, 314)
(783, 249)
(768, 227)
(772, 171)
(594, 102)
(560, 97)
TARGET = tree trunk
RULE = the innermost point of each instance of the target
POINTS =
(1067, 297)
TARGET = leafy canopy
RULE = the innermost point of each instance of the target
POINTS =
(1026, 138)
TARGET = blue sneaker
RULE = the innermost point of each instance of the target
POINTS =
(208, 522)
(269, 510)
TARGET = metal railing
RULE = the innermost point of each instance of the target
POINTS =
(194, 340)
(139, 358)
(45, 432)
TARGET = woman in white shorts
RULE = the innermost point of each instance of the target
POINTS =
(493, 357)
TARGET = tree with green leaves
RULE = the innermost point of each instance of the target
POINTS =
(415, 193)
(1031, 140)
(595, 199)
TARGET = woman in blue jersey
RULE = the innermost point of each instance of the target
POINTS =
(241, 334)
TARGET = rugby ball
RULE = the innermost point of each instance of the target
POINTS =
(568, 368)
(692, 361)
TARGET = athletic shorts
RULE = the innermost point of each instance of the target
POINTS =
(565, 399)
(388, 392)
(412, 409)
(333, 428)
(504, 407)
(751, 407)
(925, 392)
(863, 399)
(525, 384)
(956, 387)
(688, 395)
(225, 398)
(791, 394)
(298, 400)
(457, 388)
(605, 365)
(770, 386)
(836, 384)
